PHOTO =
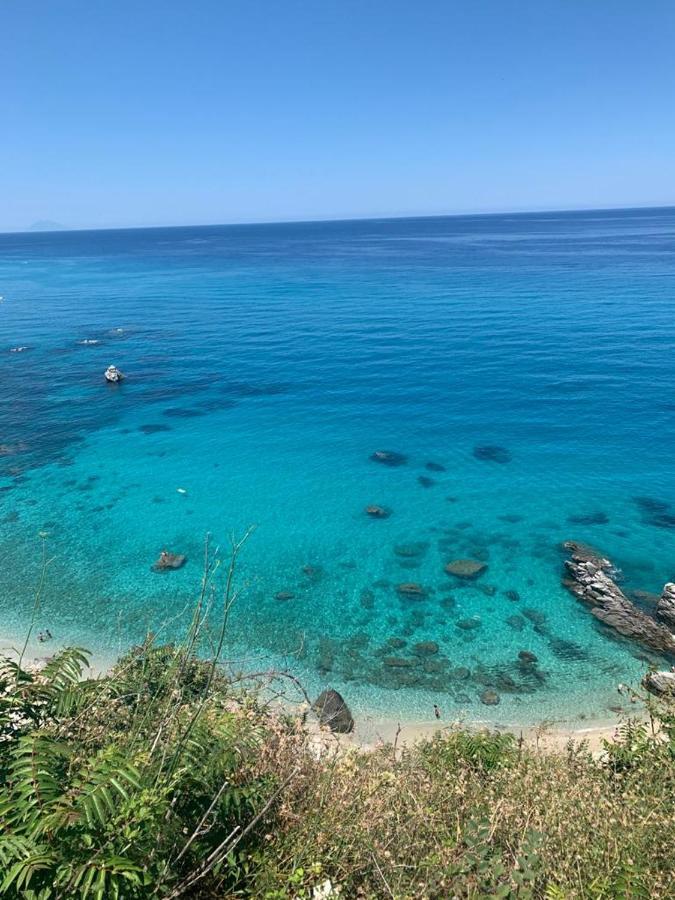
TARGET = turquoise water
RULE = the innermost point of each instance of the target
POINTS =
(266, 364)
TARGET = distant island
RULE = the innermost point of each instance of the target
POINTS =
(46, 225)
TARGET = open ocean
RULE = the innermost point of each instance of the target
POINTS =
(265, 364)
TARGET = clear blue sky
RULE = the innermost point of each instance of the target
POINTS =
(115, 112)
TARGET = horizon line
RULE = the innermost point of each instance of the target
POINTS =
(330, 220)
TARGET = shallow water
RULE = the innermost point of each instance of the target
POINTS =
(267, 363)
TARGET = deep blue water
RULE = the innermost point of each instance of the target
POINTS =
(270, 362)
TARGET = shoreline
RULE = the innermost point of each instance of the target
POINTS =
(374, 730)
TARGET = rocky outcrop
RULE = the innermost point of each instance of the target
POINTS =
(661, 684)
(333, 712)
(590, 577)
(665, 608)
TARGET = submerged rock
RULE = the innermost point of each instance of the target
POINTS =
(333, 712)
(596, 518)
(434, 467)
(490, 698)
(527, 656)
(389, 458)
(645, 597)
(656, 512)
(425, 481)
(516, 622)
(398, 662)
(414, 549)
(377, 512)
(396, 643)
(513, 596)
(167, 561)
(590, 579)
(153, 428)
(469, 624)
(411, 589)
(492, 453)
(284, 595)
(425, 648)
(465, 568)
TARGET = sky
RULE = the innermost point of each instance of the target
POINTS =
(116, 113)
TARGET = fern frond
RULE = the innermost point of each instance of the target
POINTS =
(107, 779)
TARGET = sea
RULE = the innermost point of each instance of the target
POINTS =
(495, 385)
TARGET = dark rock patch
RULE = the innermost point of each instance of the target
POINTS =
(527, 656)
(490, 697)
(398, 662)
(412, 590)
(656, 512)
(179, 412)
(412, 550)
(434, 666)
(568, 650)
(377, 512)
(396, 643)
(153, 428)
(595, 518)
(283, 596)
(536, 616)
(326, 655)
(425, 648)
(492, 453)
(425, 481)
(314, 573)
(465, 568)
(516, 622)
(434, 467)
(513, 596)
(389, 458)
(469, 624)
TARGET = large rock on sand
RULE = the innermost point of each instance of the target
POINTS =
(465, 568)
(333, 712)
(590, 577)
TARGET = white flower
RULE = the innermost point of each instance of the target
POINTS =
(322, 891)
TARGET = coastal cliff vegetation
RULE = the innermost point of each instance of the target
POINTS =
(167, 777)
